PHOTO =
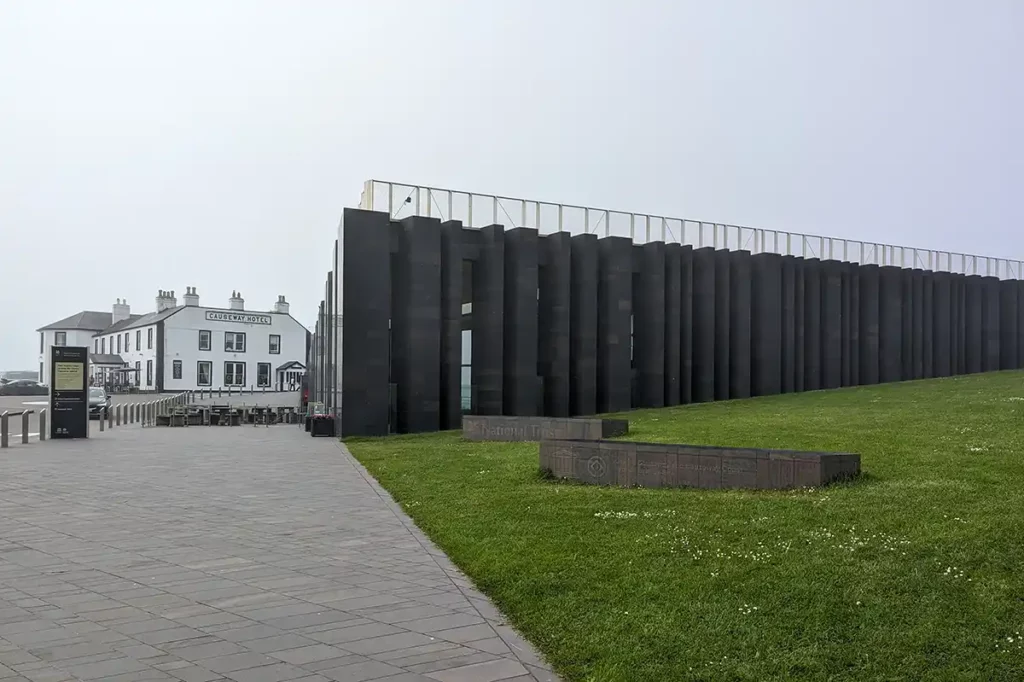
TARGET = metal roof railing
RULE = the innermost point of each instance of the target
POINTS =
(476, 210)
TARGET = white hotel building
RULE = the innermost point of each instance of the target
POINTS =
(185, 347)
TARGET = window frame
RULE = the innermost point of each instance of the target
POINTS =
(234, 384)
(270, 371)
(60, 338)
(234, 336)
(42, 342)
(127, 342)
(149, 338)
(138, 373)
(176, 370)
(149, 372)
(118, 344)
(138, 339)
(199, 373)
(103, 346)
(270, 344)
(209, 340)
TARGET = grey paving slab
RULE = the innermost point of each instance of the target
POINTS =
(244, 554)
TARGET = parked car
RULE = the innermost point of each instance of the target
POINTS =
(99, 403)
(23, 387)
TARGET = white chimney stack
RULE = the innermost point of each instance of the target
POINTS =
(121, 311)
(281, 306)
(191, 298)
(165, 300)
(236, 302)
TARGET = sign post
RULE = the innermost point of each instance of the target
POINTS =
(69, 392)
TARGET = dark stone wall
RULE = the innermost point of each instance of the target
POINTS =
(576, 325)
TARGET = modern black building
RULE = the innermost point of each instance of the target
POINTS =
(424, 320)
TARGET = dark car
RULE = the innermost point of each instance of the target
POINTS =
(99, 403)
(23, 387)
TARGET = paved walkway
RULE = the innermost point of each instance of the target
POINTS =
(245, 554)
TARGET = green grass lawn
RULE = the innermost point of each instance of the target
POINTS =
(913, 572)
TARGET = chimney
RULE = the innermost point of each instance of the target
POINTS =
(191, 298)
(281, 306)
(236, 302)
(165, 300)
(121, 311)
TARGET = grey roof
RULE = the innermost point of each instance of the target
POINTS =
(88, 320)
(150, 318)
(118, 326)
(291, 364)
(105, 359)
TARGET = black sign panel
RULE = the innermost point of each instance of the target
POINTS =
(69, 392)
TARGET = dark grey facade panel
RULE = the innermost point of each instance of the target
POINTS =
(615, 311)
(673, 323)
(583, 325)
(990, 328)
(799, 324)
(972, 311)
(943, 332)
(766, 316)
(907, 317)
(846, 294)
(1008, 325)
(890, 324)
(488, 350)
(812, 324)
(1020, 324)
(787, 369)
(869, 324)
(958, 322)
(686, 325)
(553, 322)
(522, 388)
(703, 325)
(649, 326)
(917, 324)
(451, 325)
(927, 324)
(723, 317)
(739, 324)
(855, 335)
(831, 324)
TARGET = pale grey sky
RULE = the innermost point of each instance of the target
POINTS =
(214, 143)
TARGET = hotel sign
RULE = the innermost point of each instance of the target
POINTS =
(240, 318)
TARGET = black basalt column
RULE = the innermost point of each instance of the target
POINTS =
(917, 324)
(649, 326)
(673, 322)
(928, 324)
(521, 386)
(990, 330)
(686, 325)
(583, 277)
(943, 332)
(416, 325)
(451, 325)
(1020, 323)
(846, 340)
(788, 324)
(831, 324)
(972, 309)
(615, 310)
(907, 331)
(855, 338)
(739, 325)
(812, 324)
(890, 324)
(488, 350)
(723, 316)
(869, 324)
(766, 324)
(365, 293)
(703, 325)
(553, 322)
(799, 324)
(1008, 324)
(957, 324)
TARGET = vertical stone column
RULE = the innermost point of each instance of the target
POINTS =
(365, 292)
(489, 322)
(869, 324)
(703, 325)
(766, 324)
(553, 322)
(583, 276)
(673, 323)
(522, 387)
(649, 326)
(451, 325)
(831, 324)
(615, 310)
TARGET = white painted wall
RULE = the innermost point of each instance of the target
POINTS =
(75, 337)
(181, 332)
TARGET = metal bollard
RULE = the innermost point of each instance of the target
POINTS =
(117, 415)
(42, 425)
(110, 418)
(102, 419)
(5, 430)
(24, 426)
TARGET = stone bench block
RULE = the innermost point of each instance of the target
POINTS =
(477, 427)
(664, 465)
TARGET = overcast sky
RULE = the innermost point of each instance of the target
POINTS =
(214, 143)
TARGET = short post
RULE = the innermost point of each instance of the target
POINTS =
(117, 414)
(5, 430)
(110, 417)
(42, 425)
(24, 426)
(103, 418)
(131, 413)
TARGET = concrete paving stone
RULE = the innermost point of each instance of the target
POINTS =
(360, 672)
(397, 655)
(474, 658)
(492, 645)
(491, 671)
(439, 623)
(198, 652)
(269, 645)
(467, 633)
(276, 672)
(232, 662)
(456, 651)
(194, 673)
(309, 654)
(354, 633)
(250, 631)
(376, 645)
(338, 662)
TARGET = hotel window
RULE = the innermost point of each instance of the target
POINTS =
(118, 343)
(263, 374)
(205, 339)
(204, 373)
(95, 346)
(60, 338)
(149, 338)
(275, 344)
(138, 339)
(42, 346)
(176, 369)
(127, 342)
(234, 342)
(138, 369)
(234, 374)
(149, 372)
(103, 346)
